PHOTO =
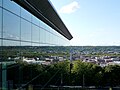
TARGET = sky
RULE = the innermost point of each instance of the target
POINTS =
(91, 22)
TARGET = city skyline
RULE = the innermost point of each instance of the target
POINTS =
(91, 22)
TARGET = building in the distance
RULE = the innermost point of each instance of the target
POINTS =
(28, 23)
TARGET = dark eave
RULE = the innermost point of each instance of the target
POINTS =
(43, 10)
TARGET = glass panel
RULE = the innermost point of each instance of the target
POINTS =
(11, 43)
(11, 26)
(25, 14)
(11, 50)
(47, 37)
(35, 20)
(52, 39)
(25, 30)
(26, 44)
(25, 49)
(55, 40)
(35, 44)
(35, 33)
(42, 35)
(42, 24)
(0, 2)
(0, 50)
(0, 22)
(47, 28)
(12, 6)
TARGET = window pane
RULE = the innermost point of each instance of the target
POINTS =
(56, 40)
(35, 44)
(25, 30)
(42, 35)
(11, 26)
(42, 24)
(0, 2)
(25, 49)
(12, 6)
(35, 20)
(26, 44)
(35, 33)
(0, 22)
(47, 37)
(25, 14)
(52, 39)
(10, 50)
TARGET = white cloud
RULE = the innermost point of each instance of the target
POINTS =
(70, 8)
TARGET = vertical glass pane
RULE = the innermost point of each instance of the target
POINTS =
(35, 33)
(42, 35)
(0, 2)
(35, 20)
(25, 30)
(25, 14)
(50, 38)
(11, 26)
(60, 42)
(56, 40)
(25, 49)
(47, 37)
(42, 24)
(0, 22)
(10, 50)
(35, 44)
(12, 6)
(26, 44)
(47, 28)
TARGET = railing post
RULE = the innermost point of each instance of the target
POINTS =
(4, 76)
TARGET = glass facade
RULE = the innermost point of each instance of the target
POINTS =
(17, 24)
(18, 27)
(21, 33)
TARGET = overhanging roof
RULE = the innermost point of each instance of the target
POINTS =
(43, 10)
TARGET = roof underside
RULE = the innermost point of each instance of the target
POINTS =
(43, 10)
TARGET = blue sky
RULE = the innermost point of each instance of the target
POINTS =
(91, 22)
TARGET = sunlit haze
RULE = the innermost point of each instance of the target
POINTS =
(91, 22)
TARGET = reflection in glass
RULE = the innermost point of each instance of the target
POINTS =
(42, 35)
(11, 43)
(25, 49)
(0, 2)
(50, 38)
(11, 26)
(0, 22)
(35, 33)
(25, 30)
(47, 37)
(10, 50)
(25, 43)
(56, 40)
(12, 6)
(53, 39)
(35, 44)
(46, 27)
(35, 20)
(42, 24)
(25, 14)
